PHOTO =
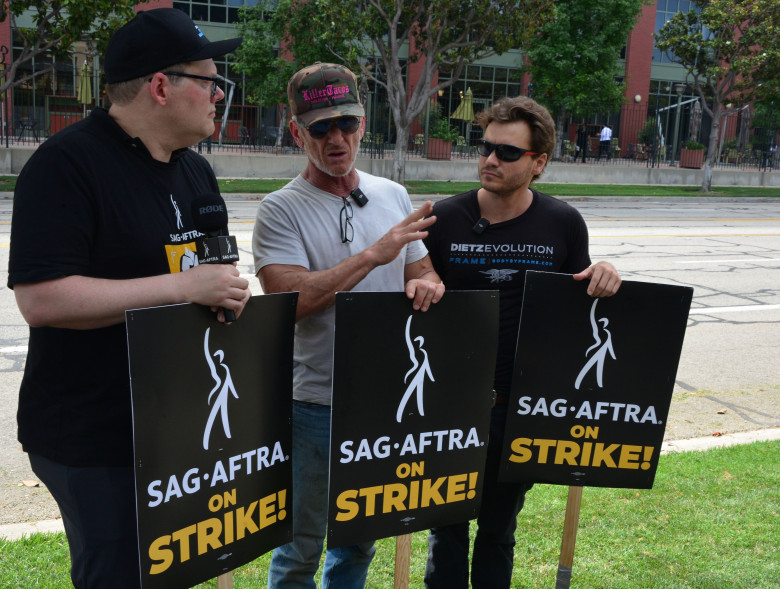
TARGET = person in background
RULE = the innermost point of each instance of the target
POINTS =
(605, 142)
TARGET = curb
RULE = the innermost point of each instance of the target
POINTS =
(18, 531)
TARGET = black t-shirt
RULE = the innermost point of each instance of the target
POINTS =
(550, 236)
(92, 201)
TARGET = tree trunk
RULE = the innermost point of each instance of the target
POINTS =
(282, 121)
(561, 135)
(712, 149)
(401, 149)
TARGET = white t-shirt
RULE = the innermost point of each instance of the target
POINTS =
(606, 134)
(299, 225)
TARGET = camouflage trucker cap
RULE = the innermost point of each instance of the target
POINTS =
(323, 91)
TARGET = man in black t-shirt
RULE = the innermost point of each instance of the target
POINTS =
(486, 239)
(101, 224)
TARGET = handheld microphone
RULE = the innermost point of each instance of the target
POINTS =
(209, 213)
(481, 225)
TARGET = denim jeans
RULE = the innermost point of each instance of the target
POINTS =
(294, 565)
(448, 546)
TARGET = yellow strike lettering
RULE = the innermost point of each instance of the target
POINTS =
(347, 505)
(520, 451)
(629, 457)
(158, 551)
(208, 535)
(183, 538)
(370, 494)
(456, 488)
(567, 452)
(244, 521)
(267, 510)
(229, 527)
(430, 492)
(544, 446)
(587, 448)
(393, 498)
(603, 455)
(414, 494)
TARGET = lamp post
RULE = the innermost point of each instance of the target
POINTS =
(679, 88)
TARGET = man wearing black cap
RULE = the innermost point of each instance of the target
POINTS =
(101, 224)
(333, 228)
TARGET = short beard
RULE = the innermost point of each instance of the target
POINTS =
(322, 168)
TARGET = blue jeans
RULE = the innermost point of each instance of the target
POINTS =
(448, 546)
(293, 565)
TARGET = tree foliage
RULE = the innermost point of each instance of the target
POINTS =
(730, 50)
(57, 25)
(573, 59)
(395, 33)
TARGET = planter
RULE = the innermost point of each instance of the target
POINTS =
(438, 149)
(691, 158)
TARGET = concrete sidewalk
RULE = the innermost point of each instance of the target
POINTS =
(17, 531)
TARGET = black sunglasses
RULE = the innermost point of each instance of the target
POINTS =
(347, 125)
(214, 81)
(345, 222)
(506, 153)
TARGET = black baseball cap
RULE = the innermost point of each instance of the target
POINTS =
(156, 39)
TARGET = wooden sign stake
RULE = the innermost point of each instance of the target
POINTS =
(403, 552)
(570, 524)
(225, 581)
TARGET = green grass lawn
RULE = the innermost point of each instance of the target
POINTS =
(261, 186)
(711, 521)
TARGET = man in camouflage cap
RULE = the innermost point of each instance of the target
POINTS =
(333, 228)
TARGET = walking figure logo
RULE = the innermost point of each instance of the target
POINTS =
(600, 348)
(421, 369)
(225, 387)
(177, 212)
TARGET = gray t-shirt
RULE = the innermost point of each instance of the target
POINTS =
(299, 225)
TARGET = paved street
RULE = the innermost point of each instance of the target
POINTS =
(729, 374)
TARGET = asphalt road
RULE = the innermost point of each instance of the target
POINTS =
(729, 374)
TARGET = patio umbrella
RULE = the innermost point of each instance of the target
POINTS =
(465, 111)
(85, 87)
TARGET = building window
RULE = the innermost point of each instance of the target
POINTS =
(665, 10)
(213, 11)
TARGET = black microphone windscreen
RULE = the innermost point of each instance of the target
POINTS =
(209, 213)
(481, 225)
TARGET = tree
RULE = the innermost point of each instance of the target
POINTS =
(437, 33)
(730, 50)
(58, 24)
(265, 28)
(573, 59)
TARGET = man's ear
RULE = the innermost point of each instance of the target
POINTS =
(295, 131)
(159, 88)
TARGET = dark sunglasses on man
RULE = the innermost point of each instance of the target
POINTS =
(347, 125)
(506, 153)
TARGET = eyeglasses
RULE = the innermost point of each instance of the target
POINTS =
(506, 153)
(347, 125)
(214, 80)
(345, 222)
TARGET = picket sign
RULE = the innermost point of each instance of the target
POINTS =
(403, 556)
(570, 525)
